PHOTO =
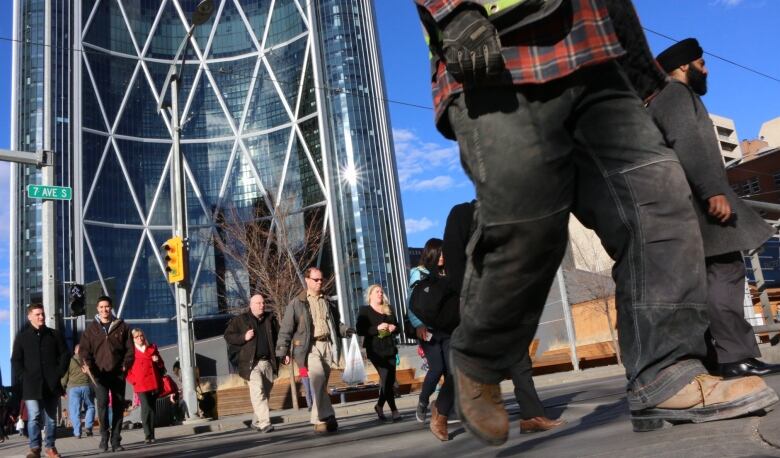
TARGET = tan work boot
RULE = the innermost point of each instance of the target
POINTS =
(537, 424)
(481, 408)
(52, 453)
(438, 424)
(708, 398)
(34, 453)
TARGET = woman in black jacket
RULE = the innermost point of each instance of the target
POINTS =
(378, 325)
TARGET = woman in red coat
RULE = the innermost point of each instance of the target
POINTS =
(146, 377)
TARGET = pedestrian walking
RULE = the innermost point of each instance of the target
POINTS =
(378, 326)
(457, 232)
(434, 295)
(38, 361)
(548, 123)
(145, 375)
(728, 226)
(255, 333)
(107, 350)
(80, 393)
(313, 328)
(434, 355)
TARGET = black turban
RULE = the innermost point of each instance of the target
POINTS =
(681, 53)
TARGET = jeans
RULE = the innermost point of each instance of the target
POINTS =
(583, 144)
(113, 382)
(437, 366)
(77, 395)
(41, 413)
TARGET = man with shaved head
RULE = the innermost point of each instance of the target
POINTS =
(252, 337)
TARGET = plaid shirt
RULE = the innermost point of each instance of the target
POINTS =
(553, 47)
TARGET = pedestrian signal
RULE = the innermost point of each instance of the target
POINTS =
(77, 300)
(175, 262)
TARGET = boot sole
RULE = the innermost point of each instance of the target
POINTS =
(654, 418)
(488, 440)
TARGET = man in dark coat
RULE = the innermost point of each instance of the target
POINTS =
(548, 124)
(728, 226)
(253, 335)
(39, 359)
(107, 350)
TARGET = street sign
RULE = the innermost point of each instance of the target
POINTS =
(36, 191)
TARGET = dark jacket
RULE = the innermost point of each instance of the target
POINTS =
(688, 129)
(268, 329)
(297, 329)
(107, 352)
(366, 326)
(38, 362)
(457, 233)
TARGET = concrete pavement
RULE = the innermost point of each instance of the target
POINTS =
(593, 404)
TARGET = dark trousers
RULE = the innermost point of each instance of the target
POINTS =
(582, 144)
(114, 383)
(148, 412)
(385, 367)
(733, 338)
(525, 390)
(436, 357)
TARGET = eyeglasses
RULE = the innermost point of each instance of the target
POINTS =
(139, 335)
(318, 280)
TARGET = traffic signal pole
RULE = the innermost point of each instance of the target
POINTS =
(182, 288)
(48, 215)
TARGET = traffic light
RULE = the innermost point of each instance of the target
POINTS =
(77, 300)
(175, 259)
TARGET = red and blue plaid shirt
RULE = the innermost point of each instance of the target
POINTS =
(570, 38)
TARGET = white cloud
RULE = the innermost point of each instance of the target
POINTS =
(417, 157)
(439, 183)
(418, 225)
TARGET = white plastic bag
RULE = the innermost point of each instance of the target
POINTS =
(20, 424)
(354, 368)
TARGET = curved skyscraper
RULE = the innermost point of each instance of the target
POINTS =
(283, 113)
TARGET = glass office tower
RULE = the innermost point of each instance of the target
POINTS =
(282, 109)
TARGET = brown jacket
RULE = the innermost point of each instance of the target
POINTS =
(110, 351)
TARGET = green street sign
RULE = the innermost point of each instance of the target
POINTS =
(36, 191)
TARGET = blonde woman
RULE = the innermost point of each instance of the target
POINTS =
(378, 325)
(146, 377)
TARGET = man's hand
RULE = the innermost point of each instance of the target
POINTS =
(155, 358)
(472, 50)
(382, 327)
(422, 333)
(349, 332)
(719, 208)
(391, 327)
(287, 360)
(249, 335)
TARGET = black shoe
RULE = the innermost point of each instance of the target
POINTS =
(422, 412)
(379, 413)
(117, 448)
(89, 432)
(267, 429)
(103, 445)
(748, 366)
(331, 424)
(149, 440)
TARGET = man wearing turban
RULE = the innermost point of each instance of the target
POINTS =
(728, 226)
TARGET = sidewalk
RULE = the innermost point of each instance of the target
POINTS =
(17, 446)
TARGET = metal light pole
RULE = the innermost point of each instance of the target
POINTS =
(184, 326)
(48, 215)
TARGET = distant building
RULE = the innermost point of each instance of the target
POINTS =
(770, 132)
(758, 179)
(727, 138)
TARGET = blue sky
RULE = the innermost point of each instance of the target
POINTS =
(429, 168)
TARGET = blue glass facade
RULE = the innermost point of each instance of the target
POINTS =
(262, 128)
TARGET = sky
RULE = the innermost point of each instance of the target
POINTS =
(432, 181)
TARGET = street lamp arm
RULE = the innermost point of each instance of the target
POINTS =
(173, 70)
